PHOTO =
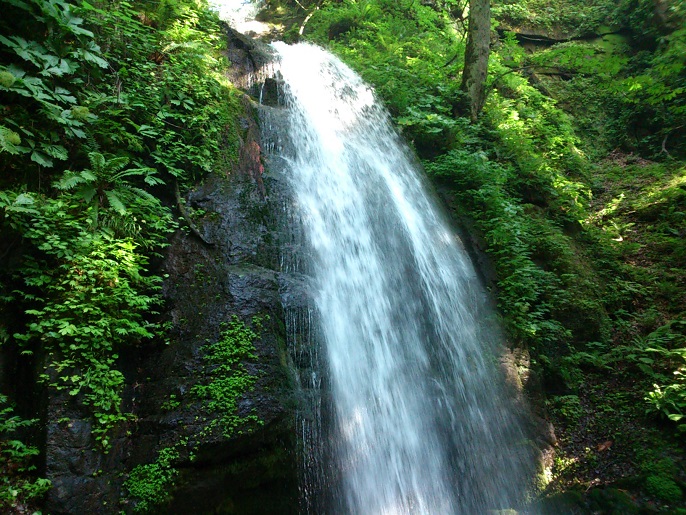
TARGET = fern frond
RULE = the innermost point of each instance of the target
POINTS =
(97, 162)
(68, 181)
(144, 195)
(91, 145)
(88, 176)
(115, 164)
(115, 202)
(152, 179)
(87, 192)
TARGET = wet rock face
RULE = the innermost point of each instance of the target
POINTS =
(73, 463)
(252, 472)
(253, 469)
(208, 285)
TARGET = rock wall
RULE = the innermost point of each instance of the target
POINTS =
(234, 269)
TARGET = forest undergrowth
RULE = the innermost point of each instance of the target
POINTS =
(106, 109)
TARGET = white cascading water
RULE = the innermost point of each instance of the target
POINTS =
(422, 423)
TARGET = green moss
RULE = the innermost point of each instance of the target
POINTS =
(664, 488)
(7, 80)
(80, 112)
(150, 485)
(567, 502)
(229, 378)
(611, 500)
(660, 476)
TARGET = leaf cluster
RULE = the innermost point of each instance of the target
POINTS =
(17, 487)
(104, 107)
(42, 79)
(149, 485)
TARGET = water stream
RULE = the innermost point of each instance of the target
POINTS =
(421, 422)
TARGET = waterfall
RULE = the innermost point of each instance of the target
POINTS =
(421, 421)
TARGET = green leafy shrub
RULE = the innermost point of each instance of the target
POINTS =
(127, 94)
(18, 486)
(150, 485)
(89, 297)
(41, 78)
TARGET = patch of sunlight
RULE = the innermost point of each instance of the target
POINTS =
(678, 180)
(608, 222)
(562, 463)
(547, 475)
(577, 191)
(608, 210)
(578, 151)
(660, 191)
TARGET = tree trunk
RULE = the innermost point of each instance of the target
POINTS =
(476, 56)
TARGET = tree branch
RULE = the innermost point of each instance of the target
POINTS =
(664, 141)
(307, 18)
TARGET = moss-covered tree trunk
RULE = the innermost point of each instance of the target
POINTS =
(476, 57)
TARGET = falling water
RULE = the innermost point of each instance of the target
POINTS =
(421, 421)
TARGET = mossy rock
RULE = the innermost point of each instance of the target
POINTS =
(611, 501)
(664, 488)
(565, 502)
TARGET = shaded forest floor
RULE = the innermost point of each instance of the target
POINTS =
(606, 423)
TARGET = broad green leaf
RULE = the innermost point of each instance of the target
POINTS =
(41, 159)
(153, 180)
(87, 192)
(20, 4)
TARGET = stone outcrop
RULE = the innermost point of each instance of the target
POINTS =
(233, 270)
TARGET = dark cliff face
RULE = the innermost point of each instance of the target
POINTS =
(235, 272)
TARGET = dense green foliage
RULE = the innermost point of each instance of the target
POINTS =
(572, 18)
(150, 485)
(106, 108)
(17, 487)
(626, 88)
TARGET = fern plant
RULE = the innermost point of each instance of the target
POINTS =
(106, 185)
(17, 486)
